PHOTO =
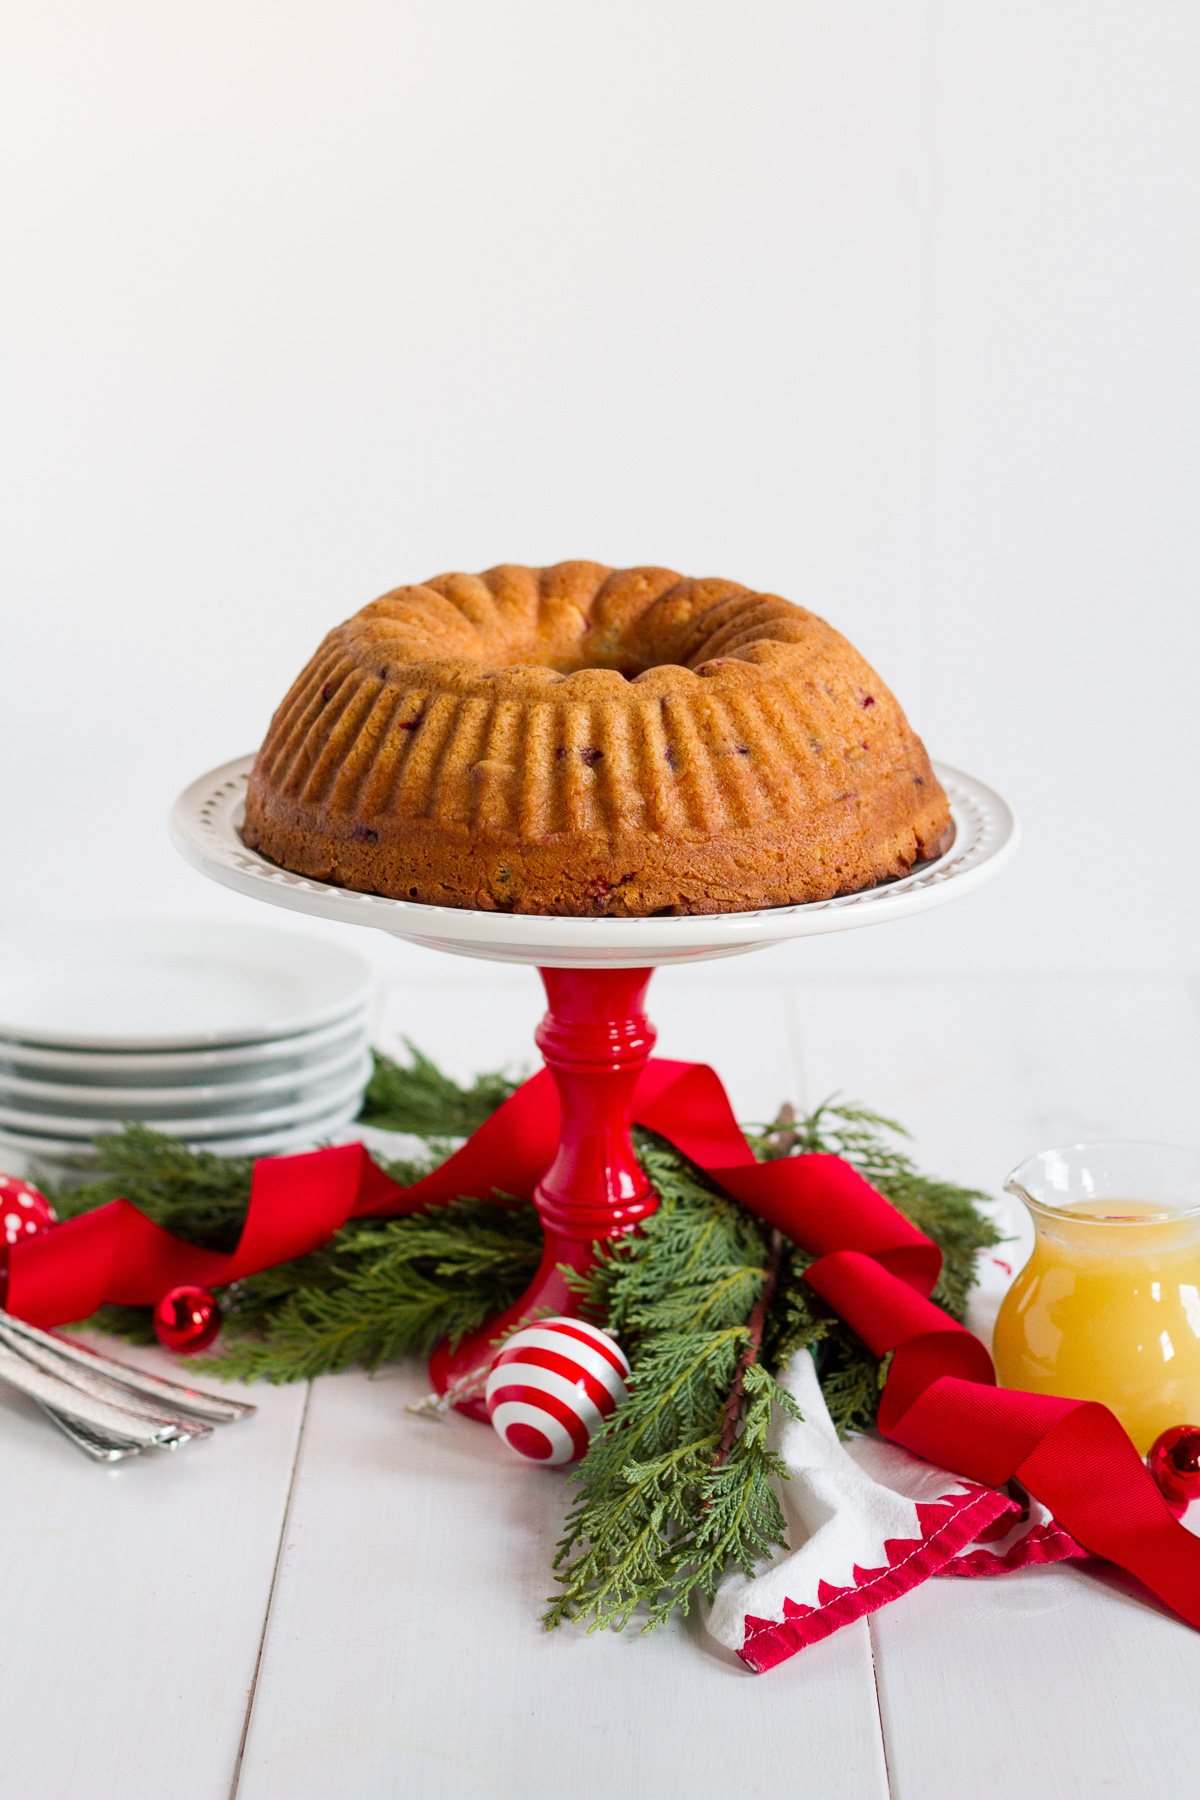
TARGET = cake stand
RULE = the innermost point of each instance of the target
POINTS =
(595, 1036)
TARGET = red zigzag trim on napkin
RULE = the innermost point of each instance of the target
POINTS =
(945, 1526)
(872, 1267)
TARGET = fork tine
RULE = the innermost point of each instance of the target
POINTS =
(95, 1382)
(90, 1412)
(215, 1409)
(92, 1442)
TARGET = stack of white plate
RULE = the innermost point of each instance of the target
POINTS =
(235, 1038)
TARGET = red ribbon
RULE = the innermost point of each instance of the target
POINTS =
(873, 1267)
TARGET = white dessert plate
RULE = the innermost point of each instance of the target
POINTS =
(150, 986)
(287, 1143)
(182, 1068)
(334, 1096)
(205, 829)
(33, 1147)
(70, 1098)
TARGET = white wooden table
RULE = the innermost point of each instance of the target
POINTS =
(339, 1600)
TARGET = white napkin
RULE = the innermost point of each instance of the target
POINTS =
(866, 1521)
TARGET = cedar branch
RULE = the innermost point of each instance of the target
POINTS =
(733, 1405)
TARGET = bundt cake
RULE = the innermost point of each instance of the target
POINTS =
(584, 740)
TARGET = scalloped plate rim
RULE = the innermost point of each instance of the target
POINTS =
(204, 831)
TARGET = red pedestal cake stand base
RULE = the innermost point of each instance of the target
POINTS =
(596, 1040)
(595, 1036)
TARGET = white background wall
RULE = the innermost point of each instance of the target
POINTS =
(889, 307)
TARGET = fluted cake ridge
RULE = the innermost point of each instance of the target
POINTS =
(584, 740)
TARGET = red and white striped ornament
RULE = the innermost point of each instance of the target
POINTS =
(551, 1385)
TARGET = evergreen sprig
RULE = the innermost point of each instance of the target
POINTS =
(418, 1098)
(195, 1194)
(681, 1482)
(945, 1212)
(375, 1292)
(388, 1290)
(659, 1516)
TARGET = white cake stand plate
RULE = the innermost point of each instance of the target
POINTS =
(205, 828)
(595, 1036)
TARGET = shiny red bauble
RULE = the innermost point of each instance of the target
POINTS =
(24, 1211)
(186, 1320)
(1174, 1462)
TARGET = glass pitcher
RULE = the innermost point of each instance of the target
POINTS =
(1108, 1305)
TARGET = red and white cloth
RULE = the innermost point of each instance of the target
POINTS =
(866, 1521)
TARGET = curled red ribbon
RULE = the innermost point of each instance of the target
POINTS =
(874, 1268)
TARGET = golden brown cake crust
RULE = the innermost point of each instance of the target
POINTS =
(583, 740)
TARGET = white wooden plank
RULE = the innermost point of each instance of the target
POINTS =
(1047, 1684)
(403, 1653)
(134, 1600)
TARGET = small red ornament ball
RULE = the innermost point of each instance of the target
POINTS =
(24, 1211)
(186, 1320)
(1174, 1462)
(551, 1385)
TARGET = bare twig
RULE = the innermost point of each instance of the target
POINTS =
(733, 1405)
(438, 1405)
(781, 1135)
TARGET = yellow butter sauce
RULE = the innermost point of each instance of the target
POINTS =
(1108, 1308)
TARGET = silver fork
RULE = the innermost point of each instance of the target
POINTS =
(107, 1409)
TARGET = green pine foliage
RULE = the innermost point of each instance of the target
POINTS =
(391, 1289)
(943, 1211)
(418, 1098)
(376, 1292)
(199, 1197)
(196, 1195)
(681, 1484)
(658, 1516)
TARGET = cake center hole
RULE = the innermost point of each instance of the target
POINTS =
(621, 661)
